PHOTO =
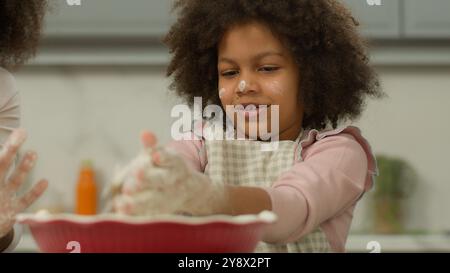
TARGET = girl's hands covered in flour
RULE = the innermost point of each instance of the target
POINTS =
(160, 182)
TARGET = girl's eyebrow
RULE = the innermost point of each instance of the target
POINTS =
(254, 58)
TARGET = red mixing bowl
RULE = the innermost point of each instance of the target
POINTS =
(160, 234)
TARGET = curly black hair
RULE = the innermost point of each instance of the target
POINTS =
(20, 27)
(335, 72)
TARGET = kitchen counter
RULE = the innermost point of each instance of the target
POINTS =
(27, 244)
(399, 243)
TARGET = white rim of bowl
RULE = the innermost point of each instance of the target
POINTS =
(266, 217)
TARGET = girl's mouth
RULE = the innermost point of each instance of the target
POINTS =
(252, 110)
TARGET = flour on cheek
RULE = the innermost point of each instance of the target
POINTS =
(222, 92)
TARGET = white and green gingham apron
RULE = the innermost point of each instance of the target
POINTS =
(244, 163)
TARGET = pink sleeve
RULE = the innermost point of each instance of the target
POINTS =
(331, 179)
(192, 151)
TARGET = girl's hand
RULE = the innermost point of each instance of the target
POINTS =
(10, 204)
(162, 183)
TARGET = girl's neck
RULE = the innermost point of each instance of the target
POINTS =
(292, 132)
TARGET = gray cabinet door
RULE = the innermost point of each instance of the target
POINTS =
(379, 22)
(427, 18)
(109, 18)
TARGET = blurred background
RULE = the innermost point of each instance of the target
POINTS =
(99, 79)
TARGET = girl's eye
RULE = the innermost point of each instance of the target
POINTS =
(229, 73)
(269, 68)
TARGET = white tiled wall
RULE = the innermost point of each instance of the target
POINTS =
(75, 114)
(97, 113)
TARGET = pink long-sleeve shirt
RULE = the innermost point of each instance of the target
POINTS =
(338, 167)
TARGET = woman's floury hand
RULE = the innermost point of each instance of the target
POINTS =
(10, 203)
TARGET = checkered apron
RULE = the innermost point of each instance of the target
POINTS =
(244, 163)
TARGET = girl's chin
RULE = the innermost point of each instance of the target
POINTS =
(251, 131)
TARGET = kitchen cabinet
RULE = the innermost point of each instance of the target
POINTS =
(427, 19)
(377, 22)
(123, 32)
(114, 18)
(152, 18)
(393, 19)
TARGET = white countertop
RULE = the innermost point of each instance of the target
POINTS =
(27, 244)
(399, 243)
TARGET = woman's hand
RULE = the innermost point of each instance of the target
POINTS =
(162, 183)
(10, 203)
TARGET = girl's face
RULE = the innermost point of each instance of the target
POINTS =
(255, 68)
